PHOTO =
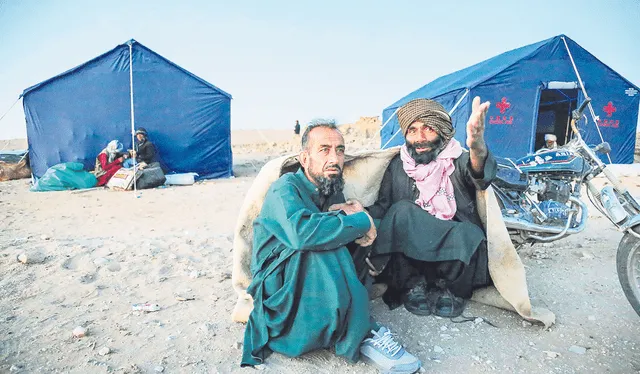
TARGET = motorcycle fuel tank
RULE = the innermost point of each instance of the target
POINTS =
(551, 161)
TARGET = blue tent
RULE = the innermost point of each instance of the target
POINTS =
(71, 117)
(532, 90)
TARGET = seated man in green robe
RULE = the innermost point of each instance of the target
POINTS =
(306, 293)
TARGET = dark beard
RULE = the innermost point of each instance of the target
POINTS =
(426, 157)
(328, 186)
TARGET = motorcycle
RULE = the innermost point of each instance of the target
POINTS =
(541, 200)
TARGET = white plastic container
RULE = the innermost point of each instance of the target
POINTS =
(183, 179)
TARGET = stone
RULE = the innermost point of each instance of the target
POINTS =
(31, 258)
(438, 349)
(577, 349)
(194, 274)
(79, 332)
(551, 354)
(159, 369)
(104, 351)
(208, 328)
(15, 368)
(113, 266)
(478, 320)
(526, 324)
(100, 262)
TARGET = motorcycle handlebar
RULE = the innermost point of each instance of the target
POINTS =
(577, 114)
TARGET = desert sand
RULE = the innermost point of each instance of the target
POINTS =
(96, 253)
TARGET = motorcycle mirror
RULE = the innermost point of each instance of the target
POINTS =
(604, 148)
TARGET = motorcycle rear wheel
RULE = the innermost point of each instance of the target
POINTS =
(628, 266)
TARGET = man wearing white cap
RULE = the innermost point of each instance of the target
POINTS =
(551, 141)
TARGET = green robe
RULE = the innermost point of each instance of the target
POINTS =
(305, 289)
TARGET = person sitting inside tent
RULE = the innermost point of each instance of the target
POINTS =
(551, 141)
(306, 293)
(144, 150)
(109, 161)
(431, 233)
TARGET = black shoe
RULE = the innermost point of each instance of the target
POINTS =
(416, 301)
(448, 305)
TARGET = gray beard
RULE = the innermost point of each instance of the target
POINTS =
(329, 186)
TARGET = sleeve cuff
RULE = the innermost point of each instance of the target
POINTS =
(359, 221)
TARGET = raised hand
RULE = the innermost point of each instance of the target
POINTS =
(475, 125)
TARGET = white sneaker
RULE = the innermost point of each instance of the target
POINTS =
(388, 355)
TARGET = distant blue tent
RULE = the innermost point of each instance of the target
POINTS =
(532, 90)
(71, 117)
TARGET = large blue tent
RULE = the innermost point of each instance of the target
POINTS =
(532, 90)
(72, 116)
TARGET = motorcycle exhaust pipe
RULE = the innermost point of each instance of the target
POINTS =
(519, 224)
(557, 236)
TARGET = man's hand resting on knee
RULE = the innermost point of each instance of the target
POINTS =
(353, 206)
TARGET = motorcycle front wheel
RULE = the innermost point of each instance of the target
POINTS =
(628, 266)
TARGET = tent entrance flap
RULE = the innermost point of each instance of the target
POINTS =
(554, 115)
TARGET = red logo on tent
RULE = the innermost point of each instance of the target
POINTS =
(503, 105)
(609, 109)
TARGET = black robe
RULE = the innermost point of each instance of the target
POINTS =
(415, 244)
(146, 152)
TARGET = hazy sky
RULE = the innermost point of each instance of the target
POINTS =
(288, 60)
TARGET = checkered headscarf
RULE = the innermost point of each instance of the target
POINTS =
(429, 112)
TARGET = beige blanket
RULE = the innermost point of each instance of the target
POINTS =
(363, 174)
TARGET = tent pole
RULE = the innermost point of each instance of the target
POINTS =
(383, 126)
(133, 125)
(458, 102)
(394, 113)
(390, 139)
(584, 92)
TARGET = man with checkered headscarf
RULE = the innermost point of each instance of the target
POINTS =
(430, 242)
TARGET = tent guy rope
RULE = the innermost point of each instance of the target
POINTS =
(584, 92)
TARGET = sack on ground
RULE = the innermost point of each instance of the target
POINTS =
(150, 177)
(65, 176)
(121, 180)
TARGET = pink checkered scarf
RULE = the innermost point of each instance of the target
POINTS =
(433, 182)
